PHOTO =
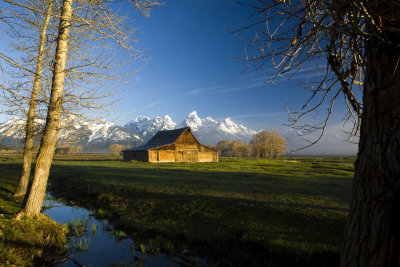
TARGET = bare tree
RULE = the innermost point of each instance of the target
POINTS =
(90, 61)
(116, 149)
(223, 148)
(238, 149)
(46, 151)
(268, 144)
(30, 127)
(356, 46)
(233, 148)
(67, 149)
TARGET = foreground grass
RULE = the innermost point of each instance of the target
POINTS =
(25, 240)
(240, 211)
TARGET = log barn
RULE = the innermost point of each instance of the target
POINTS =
(177, 145)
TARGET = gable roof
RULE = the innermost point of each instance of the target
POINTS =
(161, 138)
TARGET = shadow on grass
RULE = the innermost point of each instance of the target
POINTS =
(245, 217)
(238, 184)
(235, 216)
(84, 159)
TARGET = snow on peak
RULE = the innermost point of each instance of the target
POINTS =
(193, 120)
(168, 119)
(229, 126)
(209, 119)
(99, 130)
(147, 127)
(139, 130)
(210, 131)
(207, 130)
(193, 114)
(13, 128)
(229, 121)
(142, 118)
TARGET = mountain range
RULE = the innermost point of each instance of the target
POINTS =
(97, 136)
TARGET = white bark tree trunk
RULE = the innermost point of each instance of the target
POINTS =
(46, 151)
(29, 130)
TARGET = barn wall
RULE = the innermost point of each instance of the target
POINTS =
(136, 155)
(179, 155)
(208, 156)
(203, 148)
(166, 147)
(191, 155)
(205, 156)
(181, 147)
(166, 155)
(153, 156)
(186, 138)
(185, 149)
(161, 155)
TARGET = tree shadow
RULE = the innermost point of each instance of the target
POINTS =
(244, 183)
(212, 205)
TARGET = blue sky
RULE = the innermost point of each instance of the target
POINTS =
(191, 63)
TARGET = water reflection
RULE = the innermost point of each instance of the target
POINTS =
(96, 243)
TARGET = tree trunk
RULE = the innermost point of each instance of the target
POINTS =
(372, 236)
(30, 124)
(46, 151)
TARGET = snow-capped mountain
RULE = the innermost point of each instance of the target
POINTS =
(13, 128)
(146, 127)
(98, 135)
(210, 131)
(207, 130)
(12, 132)
(193, 121)
(93, 136)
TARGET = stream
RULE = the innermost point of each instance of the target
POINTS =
(97, 243)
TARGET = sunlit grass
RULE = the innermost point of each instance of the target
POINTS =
(251, 211)
(23, 241)
(292, 206)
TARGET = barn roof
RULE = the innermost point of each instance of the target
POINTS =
(161, 138)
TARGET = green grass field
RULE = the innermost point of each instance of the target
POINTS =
(240, 211)
(246, 212)
(23, 242)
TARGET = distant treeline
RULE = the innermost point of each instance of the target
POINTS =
(115, 149)
(265, 144)
(68, 149)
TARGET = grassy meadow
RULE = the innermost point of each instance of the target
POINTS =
(23, 242)
(247, 212)
(241, 211)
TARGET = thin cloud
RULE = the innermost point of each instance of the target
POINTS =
(307, 72)
(156, 103)
(203, 90)
(263, 115)
(225, 88)
(242, 87)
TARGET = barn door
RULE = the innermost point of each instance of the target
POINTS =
(190, 156)
(178, 155)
